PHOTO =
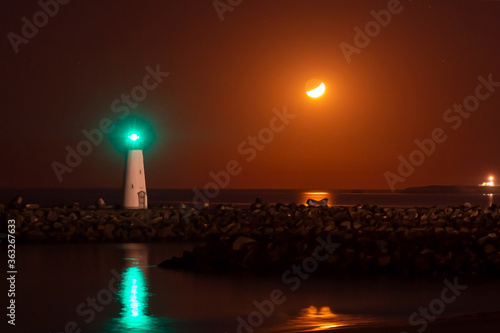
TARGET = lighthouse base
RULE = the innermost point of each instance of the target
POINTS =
(134, 191)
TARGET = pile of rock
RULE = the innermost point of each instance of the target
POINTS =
(401, 240)
(395, 252)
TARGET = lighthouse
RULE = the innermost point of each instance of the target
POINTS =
(135, 195)
(132, 136)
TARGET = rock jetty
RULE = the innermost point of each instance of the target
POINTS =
(408, 241)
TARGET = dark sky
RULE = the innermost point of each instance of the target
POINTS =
(226, 77)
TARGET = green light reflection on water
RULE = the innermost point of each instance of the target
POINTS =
(134, 297)
(134, 293)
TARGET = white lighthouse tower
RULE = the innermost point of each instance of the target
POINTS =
(135, 195)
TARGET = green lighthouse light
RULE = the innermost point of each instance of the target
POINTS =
(134, 137)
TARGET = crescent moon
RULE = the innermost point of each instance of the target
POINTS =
(316, 92)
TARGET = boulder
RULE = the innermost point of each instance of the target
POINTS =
(317, 203)
(489, 249)
(51, 216)
(384, 261)
(242, 241)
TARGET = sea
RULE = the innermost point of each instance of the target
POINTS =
(117, 287)
(244, 197)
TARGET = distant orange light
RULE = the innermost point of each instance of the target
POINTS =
(316, 195)
(489, 182)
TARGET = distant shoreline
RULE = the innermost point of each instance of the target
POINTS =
(453, 189)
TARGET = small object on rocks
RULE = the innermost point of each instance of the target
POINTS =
(220, 207)
(16, 202)
(32, 206)
(318, 203)
(258, 204)
(467, 205)
(100, 203)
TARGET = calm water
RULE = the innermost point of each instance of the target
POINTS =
(57, 285)
(117, 288)
(246, 197)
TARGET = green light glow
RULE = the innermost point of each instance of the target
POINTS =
(134, 137)
(134, 304)
(135, 294)
(134, 297)
(132, 133)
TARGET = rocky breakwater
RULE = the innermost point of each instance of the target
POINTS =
(409, 241)
(370, 239)
(101, 223)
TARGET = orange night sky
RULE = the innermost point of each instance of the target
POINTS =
(226, 77)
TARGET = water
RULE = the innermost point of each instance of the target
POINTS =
(157, 197)
(117, 288)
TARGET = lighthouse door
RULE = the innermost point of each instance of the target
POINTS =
(142, 199)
